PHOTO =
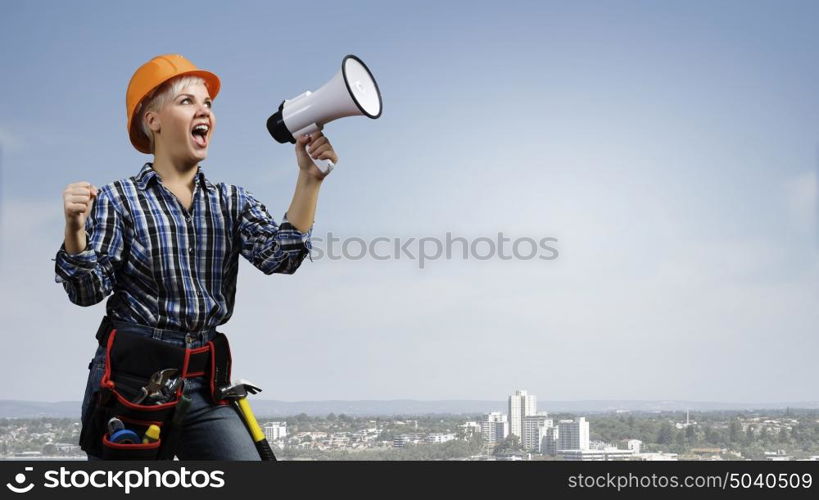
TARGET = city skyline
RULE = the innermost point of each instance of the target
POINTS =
(22, 408)
(544, 436)
(570, 439)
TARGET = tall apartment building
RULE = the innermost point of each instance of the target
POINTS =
(548, 445)
(494, 428)
(533, 430)
(521, 405)
(573, 434)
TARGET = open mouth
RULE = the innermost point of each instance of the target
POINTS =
(200, 135)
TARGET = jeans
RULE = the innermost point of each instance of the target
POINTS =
(210, 432)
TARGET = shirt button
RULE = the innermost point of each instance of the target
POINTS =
(188, 218)
(190, 250)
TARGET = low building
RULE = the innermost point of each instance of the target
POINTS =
(439, 437)
(656, 457)
(470, 428)
(405, 439)
(274, 431)
(604, 455)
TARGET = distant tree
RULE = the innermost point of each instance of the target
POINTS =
(764, 436)
(476, 443)
(711, 435)
(665, 434)
(750, 436)
(509, 445)
(734, 431)
(331, 417)
(387, 435)
(690, 434)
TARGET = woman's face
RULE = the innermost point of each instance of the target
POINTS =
(185, 125)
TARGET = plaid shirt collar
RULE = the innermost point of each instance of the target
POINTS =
(147, 174)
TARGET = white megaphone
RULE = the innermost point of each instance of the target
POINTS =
(352, 91)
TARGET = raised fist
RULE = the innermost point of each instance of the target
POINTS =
(78, 199)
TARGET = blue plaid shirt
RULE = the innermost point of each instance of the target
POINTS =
(170, 268)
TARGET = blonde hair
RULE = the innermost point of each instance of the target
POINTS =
(157, 99)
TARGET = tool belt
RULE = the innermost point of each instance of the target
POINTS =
(130, 362)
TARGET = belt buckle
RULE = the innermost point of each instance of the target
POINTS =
(190, 338)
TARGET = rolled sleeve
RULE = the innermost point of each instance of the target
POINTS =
(296, 235)
(70, 266)
(271, 247)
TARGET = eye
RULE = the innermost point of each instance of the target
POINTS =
(209, 103)
(188, 99)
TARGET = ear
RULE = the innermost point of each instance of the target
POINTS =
(152, 119)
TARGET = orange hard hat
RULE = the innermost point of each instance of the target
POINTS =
(151, 75)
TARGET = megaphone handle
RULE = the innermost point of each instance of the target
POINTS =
(324, 165)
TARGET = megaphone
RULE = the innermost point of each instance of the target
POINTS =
(352, 91)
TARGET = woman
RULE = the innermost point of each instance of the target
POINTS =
(165, 243)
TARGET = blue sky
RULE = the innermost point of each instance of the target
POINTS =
(671, 147)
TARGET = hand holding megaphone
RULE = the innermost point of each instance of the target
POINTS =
(351, 92)
(312, 149)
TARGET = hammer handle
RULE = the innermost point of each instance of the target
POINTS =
(265, 451)
(263, 447)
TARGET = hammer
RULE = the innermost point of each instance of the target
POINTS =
(237, 392)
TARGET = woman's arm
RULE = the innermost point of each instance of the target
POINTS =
(270, 247)
(302, 209)
(87, 260)
(274, 248)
